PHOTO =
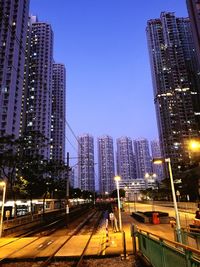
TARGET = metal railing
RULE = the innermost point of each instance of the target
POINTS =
(161, 252)
(191, 237)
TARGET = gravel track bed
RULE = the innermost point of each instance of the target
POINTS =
(103, 262)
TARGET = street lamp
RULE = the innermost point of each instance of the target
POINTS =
(178, 226)
(3, 185)
(194, 145)
(194, 151)
(150, 176)
(117, 179)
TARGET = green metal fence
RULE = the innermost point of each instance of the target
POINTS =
(161, 252)
(191, 237)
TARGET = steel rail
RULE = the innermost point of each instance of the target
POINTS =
(28, 233)
(80, 261)
(75, 232)
(17, 250)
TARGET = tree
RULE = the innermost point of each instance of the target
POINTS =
(76, 193)
(20, 164)
(121, 193)
(10, 159)
(190, 184)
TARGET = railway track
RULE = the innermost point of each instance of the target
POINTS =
(47, 229)
(79, 260)
(46, 223)
(85, 226)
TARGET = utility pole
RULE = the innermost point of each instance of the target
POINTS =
(67, 190)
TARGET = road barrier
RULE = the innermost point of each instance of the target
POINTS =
(161, 252)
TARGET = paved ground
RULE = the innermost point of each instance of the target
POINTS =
(161, 230)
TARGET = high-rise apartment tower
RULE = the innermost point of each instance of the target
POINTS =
(155, 152)
(86, 174)
(13, 30)
(125, 159)
(176, 84)
(194, 14)
(38, 85)
(106, 164)
(143, 158)
(58, 113)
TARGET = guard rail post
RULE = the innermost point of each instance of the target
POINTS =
(107, 236)
(124, 256)
(133, 235)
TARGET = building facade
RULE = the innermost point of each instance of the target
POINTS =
(194, 14)
(86, 173)
(13, 30)
(125, 158)
(156, 153)
(176, 84)
(143, 158)
(58, 116)
(37, 107)
(134, 187)
(106, 164)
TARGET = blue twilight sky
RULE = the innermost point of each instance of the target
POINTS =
(103, 46)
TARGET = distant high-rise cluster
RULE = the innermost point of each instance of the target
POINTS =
(32, 93)
(176, 84)
(132, 163)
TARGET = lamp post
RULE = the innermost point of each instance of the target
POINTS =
(117, 179)
(2, 184)
(178, 226)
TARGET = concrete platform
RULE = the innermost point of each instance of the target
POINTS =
(42, 247)
(5, 251)
(74, 247)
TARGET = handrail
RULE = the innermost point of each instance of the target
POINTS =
(170, 241)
